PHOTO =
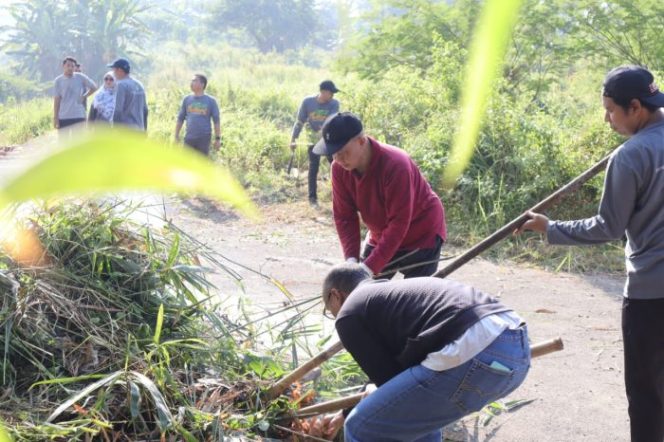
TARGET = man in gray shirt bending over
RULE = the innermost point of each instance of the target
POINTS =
(69, 94)
(198, 109)
(632, 203)
(131, 107)
(314, 110)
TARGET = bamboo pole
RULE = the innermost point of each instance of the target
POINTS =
(285, 382)
(537, 350)
(508, 228)
(546, 347)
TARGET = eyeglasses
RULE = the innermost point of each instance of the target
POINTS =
(326, 312)
(108, 79)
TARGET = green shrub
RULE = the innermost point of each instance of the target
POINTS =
(19, 122)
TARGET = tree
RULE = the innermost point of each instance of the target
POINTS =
(404, 32)
(272, 25)
(35, 38)
(93, 31)
(624, 31)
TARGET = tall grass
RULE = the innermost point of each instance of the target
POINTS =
(19, 122)
(119, 334)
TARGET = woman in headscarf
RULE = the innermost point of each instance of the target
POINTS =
(103, 105)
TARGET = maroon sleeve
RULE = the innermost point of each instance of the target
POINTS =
(345, 215)
(400, 197)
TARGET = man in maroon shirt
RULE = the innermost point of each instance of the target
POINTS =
(382, 184)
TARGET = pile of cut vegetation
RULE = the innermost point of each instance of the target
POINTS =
(115, 337)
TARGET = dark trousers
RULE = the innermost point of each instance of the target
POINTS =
(69, 122)
(407, 258)
(200, 144)
(643, 338)
(314, 165)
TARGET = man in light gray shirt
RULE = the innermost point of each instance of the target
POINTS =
(131, 107)
(632, 203)
(197, 110)
(313, 111)
(70, 91)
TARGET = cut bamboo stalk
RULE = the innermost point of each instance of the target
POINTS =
(510, 227)
(285, 382)
(536, 351)
(546, 347)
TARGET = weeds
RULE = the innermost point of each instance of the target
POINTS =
(116, 337)
(22, 121)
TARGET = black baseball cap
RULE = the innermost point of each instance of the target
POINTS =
(629, 82)
(121, 63)
(337, 130)
(327, 85)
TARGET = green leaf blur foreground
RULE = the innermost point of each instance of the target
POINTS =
(487, 52)
(106, 160)
(4, 437)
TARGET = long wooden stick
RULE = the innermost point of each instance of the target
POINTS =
(536, 351)
(285, 382)
(508, 228)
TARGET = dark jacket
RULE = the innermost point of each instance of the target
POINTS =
(389, 326)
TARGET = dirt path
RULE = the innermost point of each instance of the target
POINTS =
(577, 393)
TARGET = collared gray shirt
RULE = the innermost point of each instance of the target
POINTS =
(633, 204)
(71, 91)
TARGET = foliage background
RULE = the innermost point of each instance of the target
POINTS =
(400, 66)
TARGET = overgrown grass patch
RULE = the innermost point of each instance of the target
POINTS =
(22, 121)
(119, 334)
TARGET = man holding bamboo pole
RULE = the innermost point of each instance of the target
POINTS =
(632, 204)
(436, 349)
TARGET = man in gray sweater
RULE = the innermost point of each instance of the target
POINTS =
(313, 111)
(131, 107)
(632, 204)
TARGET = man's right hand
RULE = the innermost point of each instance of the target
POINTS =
(293, 145)
(536, 223)
(326, 427)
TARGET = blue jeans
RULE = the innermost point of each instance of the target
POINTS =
(417, 403)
